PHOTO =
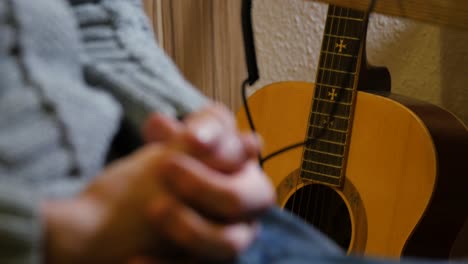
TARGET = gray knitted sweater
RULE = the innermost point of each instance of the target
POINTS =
(70, 73)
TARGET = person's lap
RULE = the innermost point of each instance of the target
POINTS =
(286, 239)
(283, 238)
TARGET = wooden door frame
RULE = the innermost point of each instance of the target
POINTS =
(204, 38)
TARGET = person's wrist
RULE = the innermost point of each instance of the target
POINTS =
(70, 226)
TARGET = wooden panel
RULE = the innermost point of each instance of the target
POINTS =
(192, 41)
(204, 38)
(149, 8)
(442, 12)
(230, 69)
(153, 10)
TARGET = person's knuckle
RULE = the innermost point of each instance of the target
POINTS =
(234, 203)
(150, 151)
(170, 162)
(232, 247)
(190, 234)
(161, 213)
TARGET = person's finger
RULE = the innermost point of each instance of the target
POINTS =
(229, 154)
(215, 128)
(173, 220)
(159, 127)
(252, 143)
(205, 128)
(233, 150)
(209, 124)
(212, 137)
(232, 197)
(216, 111)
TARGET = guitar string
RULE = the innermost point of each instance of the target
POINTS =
(320, 189)
(319, 193)
(326, 196)
(342, 137)
(349, 114)
(323, 193)
(316, 189)
(309, 140)
(361, 33)
(329, 196)
(316, 106)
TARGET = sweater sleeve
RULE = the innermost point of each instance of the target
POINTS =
(20, 225)
(122, 57)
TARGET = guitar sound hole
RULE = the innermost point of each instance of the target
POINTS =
(324, 208)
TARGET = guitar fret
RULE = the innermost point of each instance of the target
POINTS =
(349, 12)
(321, 174)
(328, 137)
(335, 78)
(343, 61)
(352, 28)
(328, 147)
(331, 142)
(334, 94)
(339, 54)
(338, 71)
(323, 164)
(347, 18)
(324, 152)
(331, 107)
(331, 159)
(329, 122)
(343, 37)
(320, 169)
(333, 86)
(334, 116)
(333, 102)
(330, 129)
(335, 181)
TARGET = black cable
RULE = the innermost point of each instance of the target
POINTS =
(249, 115)
(249, 42)
(250, 59)
(293, 146)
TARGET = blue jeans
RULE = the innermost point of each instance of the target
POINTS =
(286, 239)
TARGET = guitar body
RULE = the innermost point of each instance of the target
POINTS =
(405, 182)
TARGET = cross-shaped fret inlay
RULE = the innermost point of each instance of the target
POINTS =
(340, 46)
(332, 94)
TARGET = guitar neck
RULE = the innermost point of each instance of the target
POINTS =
(324, 158)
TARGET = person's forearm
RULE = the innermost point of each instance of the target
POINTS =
(132, 66)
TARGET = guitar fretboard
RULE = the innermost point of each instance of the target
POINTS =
(324, 157)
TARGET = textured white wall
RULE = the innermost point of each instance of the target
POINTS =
(426, 62)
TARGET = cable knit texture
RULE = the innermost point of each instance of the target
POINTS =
(54, 127)
(20, 227)
(122, 57)
(67, 70)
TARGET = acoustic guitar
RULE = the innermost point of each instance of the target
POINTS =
(381, 174)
